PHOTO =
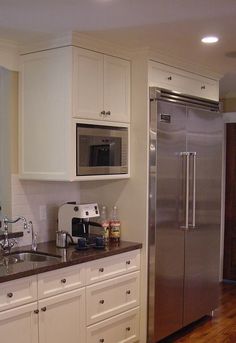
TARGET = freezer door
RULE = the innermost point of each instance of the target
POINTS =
(166, 218)
(202, 240)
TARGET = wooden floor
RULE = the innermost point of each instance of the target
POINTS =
(219, 329)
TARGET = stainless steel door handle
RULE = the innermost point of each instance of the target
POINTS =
(186, 156)
(193, 224)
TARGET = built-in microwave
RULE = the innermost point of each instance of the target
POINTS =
(101, 150)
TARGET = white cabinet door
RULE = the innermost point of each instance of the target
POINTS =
(19, 324)
(87, 84)
(116, 89)
(44, 125)
(62, 318)
(101, 86)
(178, 80)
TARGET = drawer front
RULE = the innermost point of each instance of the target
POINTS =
(122, 328)
(112, 297)
(18, 292)
(60, 280)
(113, 266)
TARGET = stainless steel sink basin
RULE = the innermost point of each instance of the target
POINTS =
(32, 257)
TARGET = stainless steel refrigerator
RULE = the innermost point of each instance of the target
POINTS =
(184, 210)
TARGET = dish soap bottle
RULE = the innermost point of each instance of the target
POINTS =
(114, 226)
(105, 225)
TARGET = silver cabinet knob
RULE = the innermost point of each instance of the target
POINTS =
(101, 301)
(10, 295)
(63, 280)
(44, 309)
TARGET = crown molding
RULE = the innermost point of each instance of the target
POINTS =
(184, 64)
(9, 55)
(80, 40)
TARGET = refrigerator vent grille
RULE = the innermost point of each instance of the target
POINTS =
(179, 98)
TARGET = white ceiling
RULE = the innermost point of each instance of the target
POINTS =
(172, 26)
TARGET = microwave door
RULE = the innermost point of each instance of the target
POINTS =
(100, 155)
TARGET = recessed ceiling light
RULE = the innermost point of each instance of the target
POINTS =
(209, 39)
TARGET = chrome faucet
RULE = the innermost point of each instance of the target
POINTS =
(7, 244)
(33, 235)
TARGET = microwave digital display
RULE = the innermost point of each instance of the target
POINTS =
(101, 150)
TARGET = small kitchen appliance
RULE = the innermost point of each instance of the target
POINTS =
(101, 150)
(62, 239)
(75, 219)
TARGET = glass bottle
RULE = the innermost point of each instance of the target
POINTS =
(105, 224)
(114, 226)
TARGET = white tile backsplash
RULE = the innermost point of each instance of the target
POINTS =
(28, 196)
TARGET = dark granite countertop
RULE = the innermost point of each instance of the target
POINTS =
(68, 257)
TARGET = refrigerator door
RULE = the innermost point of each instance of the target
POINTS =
(202, 241)
(166, 217)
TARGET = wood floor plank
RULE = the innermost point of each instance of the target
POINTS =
(221, 328)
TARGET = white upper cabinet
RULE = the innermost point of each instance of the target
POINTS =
(101, 87)
(178, 80)
(57, 87)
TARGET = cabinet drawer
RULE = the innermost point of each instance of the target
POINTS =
(122, 328)
(112, 297)
(113, 266)
(60, 280)
(18, 292)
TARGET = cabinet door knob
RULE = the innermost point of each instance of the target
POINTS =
(127, 262)
(101, 301)
(36, 311)
(101, 270)
(128, 292)
(101, 340)
(203, 87)
(10, 295)
(108, 113)
(63, 280)
(169, 78)
(102, 113)
(44, 309)
(128, 328)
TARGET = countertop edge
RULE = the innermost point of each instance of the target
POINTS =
(124, 247)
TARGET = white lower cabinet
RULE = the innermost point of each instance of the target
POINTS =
(122, 328)
(62, 318)
(19, 324)
(68, 305)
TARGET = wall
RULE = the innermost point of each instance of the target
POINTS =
(8, 135)
(39, 201)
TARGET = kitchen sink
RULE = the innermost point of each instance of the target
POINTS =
(31, 256)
